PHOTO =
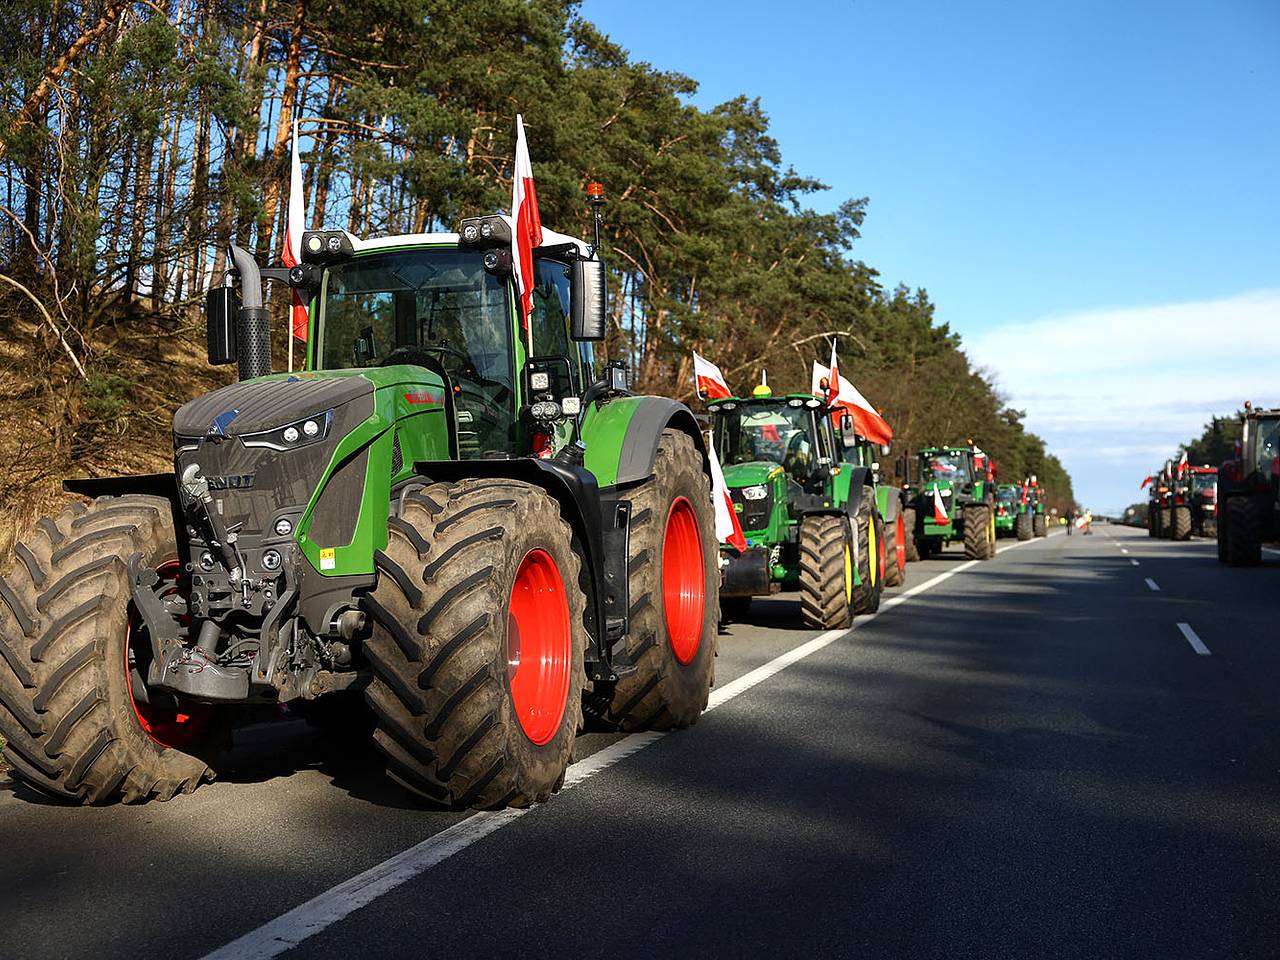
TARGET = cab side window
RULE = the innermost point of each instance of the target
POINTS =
(550, 320)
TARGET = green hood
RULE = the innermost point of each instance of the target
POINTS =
(749, 474)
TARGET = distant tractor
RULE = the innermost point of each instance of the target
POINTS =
(1008, 497)
(1160, 503)
(951, 497)
(451, 524)
(1032, 519)
(1249, 490)
(1204, 501)
(807, 506)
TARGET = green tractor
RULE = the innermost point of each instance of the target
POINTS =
(809, 514)
(448, 526)
(1031, 520)
(1249, 490)
(951, 497)
(1008, 509)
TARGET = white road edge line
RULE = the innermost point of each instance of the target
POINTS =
(337, 903)
(1196, 643)
(1152, 584)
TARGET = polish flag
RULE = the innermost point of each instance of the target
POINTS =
(295, 223)
(708, 380)
(728, 529)
(1144, 483)
(528, 224)
(1182, 463)
(833, 376)
(939, 509)
(866, 421)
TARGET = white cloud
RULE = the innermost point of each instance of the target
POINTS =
(1113, 392)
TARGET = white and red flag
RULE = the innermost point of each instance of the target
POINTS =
(939, 508)
(1182, 463)
(728, 529)
(708, 379)
(866, 421)
(527, 231)
(833, 376)
(295, 223)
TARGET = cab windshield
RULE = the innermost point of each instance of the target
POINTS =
(1203, 482)
(1007, 494)
(946, 466)
(770, 434)
(1268, 443)
(438, 309)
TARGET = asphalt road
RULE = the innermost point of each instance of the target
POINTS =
(1025, 757)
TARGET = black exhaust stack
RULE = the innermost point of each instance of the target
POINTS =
(253, 333)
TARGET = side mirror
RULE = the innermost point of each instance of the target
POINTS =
(364, 349)
(846, 423)
(221, 308)
(884, 449)
(588, 293)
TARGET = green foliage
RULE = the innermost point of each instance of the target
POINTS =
(162, 140)
(1216, 442)
(105, 397)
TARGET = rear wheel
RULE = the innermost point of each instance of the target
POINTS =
(477, 645)
(826, 572)
(871, 554)
(1224, 516)
(1023, 526)
(991, 534)
(675, 583)
(1244, 546)
(1182, 523)
(1040, 525)
(977, 527)
(80, 722)
(895, 570)
(909, 525)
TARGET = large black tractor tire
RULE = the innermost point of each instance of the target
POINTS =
(73, 651)
(871, 555)
(895, 568)
(977, 532)
(1040, 525)
(675, 595)
(1023, 526)
(1152, 522)
(478, 583)
(1223, 529)
(1244, 546)
(909, 521)
(826, 572)
(1182, 523)
(1208, 529)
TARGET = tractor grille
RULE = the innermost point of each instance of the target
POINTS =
(754, 514)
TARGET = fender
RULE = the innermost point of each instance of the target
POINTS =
(599, 522)
(143, 484)
(622, 437)
(889, 500)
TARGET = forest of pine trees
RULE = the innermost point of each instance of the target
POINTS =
(137, 138)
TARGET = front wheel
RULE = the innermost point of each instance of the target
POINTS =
(80, 722)
(477, 646)
(1023, 526)
(976, 531)
(895, 569)
(1040, 525)
(674, 588)
(1182, 523)
(826, 571)
(1244, 546)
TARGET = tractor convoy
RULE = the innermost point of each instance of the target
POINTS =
(451, 528)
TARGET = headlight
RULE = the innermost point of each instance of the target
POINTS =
(290, 436)
(758, 492)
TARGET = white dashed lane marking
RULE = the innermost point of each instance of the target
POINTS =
(1196, 643)
(1151, 584)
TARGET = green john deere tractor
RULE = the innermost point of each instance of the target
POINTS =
(951, 496)
(809, 514)
(1032, 521)
(452, 526)
(1008, 503)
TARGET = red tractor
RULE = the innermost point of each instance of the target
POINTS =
(1202, 497)
(1249, 490)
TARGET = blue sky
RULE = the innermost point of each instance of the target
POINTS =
(1043, 170)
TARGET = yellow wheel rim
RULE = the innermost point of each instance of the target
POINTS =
(872, 552)
(848, 574)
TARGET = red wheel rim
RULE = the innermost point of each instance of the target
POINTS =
(178, 727)
(539, 646)
(900, 540)
(684, 588)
